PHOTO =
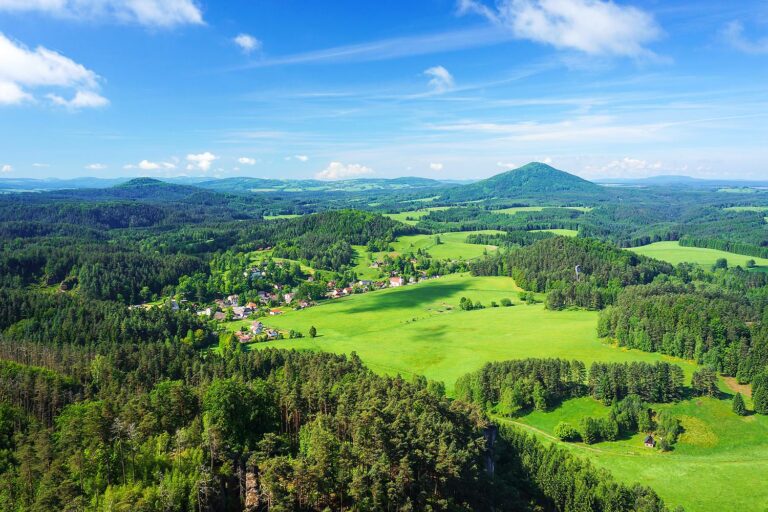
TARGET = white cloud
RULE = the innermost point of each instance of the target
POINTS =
(441, 80)
(21, 67)
(506, 165)
(595, 27)
(39, 165)
(734, 35)
(246, 161)
(628, 165)
(6, 168)
(247, 43)
(96, 167)
(82, 99)
(147, 165)
(338, 170)
(436, 166)
(11, 93)
(581, 128)
(154, 13)
(301, 158)
(201, 161)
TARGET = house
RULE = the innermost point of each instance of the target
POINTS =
(396, 281)
(205, 312)
(174, 305)
(252, 306)
(304, 304)
(411, 280)
(219, 316)
(288, 297)
(347, 291)
(239, 312)
(257, 327)
(649, 442)
(272, 334)
(334, 293)
(365, 282)
(275, 312)
(220, 303)
(243, 337)
(232, 300)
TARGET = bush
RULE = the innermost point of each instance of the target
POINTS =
(566, 432)
(505, 302)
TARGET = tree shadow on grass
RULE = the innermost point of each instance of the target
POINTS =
(411, 297)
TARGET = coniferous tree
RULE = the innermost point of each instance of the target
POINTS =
(738, 405)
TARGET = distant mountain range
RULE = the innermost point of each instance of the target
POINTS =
(532, 182)
(234, 185)
(686, 181)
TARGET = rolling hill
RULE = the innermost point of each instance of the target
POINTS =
(532, 182)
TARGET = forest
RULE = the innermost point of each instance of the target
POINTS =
(115, 392)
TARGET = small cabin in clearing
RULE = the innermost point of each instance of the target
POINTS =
(649, 442)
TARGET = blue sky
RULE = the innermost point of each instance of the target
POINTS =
(438, 88)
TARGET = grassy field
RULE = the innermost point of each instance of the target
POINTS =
(747, 208)
(452, 246)
(561, 232)
(713, 467)
(414, 216)
(675, 253)
(519, 209)
(419, 330)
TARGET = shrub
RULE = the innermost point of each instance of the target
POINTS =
(566, 432)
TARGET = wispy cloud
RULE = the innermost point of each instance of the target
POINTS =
(440, 80)
(384, 49)
(153, 13)
(734, 35)
(96, 167)
(594, 27)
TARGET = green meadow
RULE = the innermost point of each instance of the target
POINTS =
(413, 217)
(452, 246)
(674, 253)
(710, 468)
(418, 329)
(518, 209)
(560, 232)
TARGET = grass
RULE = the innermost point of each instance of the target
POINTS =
(413, 217)
(747, 208)
(453, 245)
(281, 216)
(418, 329)
(738, 190)
(713, 467)
(519, 209)
(674, 253)
(561, 232)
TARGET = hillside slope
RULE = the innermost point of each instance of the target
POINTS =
(534, 182)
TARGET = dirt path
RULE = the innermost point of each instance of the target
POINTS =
(733, 385)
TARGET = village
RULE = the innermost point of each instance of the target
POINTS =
(283, 297)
